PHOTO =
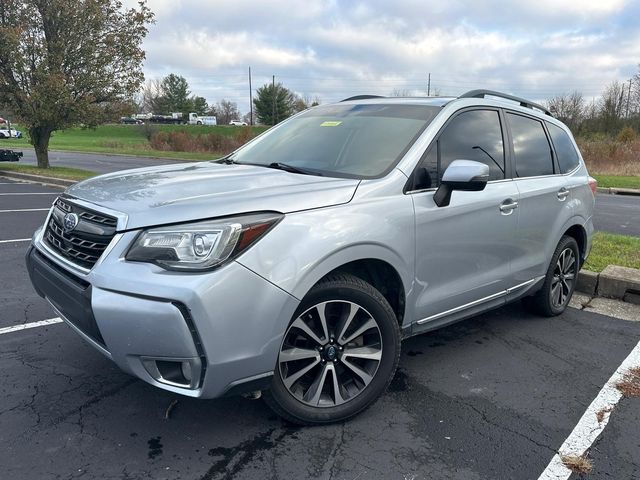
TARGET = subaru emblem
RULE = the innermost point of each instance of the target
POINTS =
(70, 221)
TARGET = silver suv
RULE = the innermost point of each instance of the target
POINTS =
(297, 264)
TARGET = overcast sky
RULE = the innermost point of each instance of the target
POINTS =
(333, 49)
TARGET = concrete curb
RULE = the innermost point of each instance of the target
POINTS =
(622, 283)
(58, 182)
(619, 191)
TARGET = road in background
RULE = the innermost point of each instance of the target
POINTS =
(618, 214)
(95, 162)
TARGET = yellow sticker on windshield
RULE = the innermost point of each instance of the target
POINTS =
(330, 124)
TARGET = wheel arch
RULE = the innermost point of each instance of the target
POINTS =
(375, 264)
(579, 234)
(383, 277)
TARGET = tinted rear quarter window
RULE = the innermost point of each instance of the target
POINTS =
(530, 146)
(567, 156)
(474, 135)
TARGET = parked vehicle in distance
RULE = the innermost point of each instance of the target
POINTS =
(10, 155)
(131, 121)
(238, 123)
(296, 265)
(4, 133)
(175, 118)
(195, 119)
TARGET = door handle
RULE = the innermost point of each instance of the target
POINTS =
(562, 194)
(508, 206)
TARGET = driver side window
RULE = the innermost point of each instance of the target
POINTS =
(474, 135)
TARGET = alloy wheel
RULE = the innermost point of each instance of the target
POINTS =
(564, 276)
(330, 353)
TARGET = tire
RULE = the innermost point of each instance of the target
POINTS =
(549, 301)
(358, 352)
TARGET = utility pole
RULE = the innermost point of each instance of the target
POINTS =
(273, 96)
(429, 86)
(628, 98)
(250, 100)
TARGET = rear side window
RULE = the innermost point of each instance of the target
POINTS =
(474, 135)
(567, 156)
(530, 147)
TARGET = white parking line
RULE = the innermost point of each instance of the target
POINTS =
(16, 240)
(26, 210)
(589, 428)
(24, 326)
(31, 193)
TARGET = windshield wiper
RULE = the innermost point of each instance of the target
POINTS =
(226, 160)
(290, 168)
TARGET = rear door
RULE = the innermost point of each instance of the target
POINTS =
(463, 250)
(544, 203)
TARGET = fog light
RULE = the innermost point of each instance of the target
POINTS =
(186, 371)
(180, 372)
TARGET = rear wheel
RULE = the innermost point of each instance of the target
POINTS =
(560, 280)
(338, 355)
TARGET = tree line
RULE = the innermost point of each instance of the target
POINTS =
(273, 103)
(618, 107)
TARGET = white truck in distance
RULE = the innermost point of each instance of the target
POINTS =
(194, 119)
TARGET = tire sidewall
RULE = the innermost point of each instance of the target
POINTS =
(380, 310)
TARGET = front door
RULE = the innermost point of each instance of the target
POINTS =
(464, 250)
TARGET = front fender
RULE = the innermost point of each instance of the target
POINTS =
(305, 246)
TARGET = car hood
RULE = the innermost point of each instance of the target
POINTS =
(194, 191)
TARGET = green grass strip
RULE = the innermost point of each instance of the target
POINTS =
(613, 249)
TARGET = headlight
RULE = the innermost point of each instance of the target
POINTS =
(200, 245)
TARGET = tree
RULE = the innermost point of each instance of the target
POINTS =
(225, 111)
(151, 96)
(273, 103)
(400, 92)
(569, 108)
(199, 105)
(63, 63)
(171, 94)
(301, 103)
(175, 94)
(612, 106)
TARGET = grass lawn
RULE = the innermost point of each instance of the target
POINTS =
(126, 139)
(612, 249)
(618, 181)
(55, 172)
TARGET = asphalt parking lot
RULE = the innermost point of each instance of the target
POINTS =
(493, 397)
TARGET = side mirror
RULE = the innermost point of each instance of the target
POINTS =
(465, 175)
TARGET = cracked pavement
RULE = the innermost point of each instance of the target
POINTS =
(492, 397)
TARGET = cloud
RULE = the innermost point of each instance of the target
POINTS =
(337, 48)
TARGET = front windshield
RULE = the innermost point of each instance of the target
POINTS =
(355, 141)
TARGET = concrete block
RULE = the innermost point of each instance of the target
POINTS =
(587, 282)
(615, 281)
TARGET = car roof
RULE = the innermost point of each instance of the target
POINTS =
(374, 100)
(471, 98)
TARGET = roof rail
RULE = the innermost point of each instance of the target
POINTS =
(521, 101)
(361, 97)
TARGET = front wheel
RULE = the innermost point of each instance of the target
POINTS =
(560, 280)
(338, 355)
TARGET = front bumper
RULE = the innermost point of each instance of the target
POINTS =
(226, 324)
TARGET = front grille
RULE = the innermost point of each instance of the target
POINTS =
(86, 242)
